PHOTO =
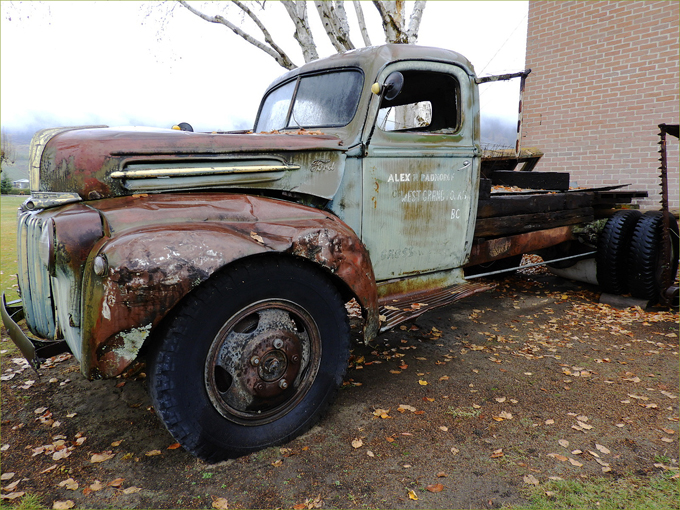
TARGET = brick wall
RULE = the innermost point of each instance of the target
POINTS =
(604, 75)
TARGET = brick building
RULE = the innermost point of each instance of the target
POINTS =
(604, 75)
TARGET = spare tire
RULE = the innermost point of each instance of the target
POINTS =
(645, 258)
(613, 251)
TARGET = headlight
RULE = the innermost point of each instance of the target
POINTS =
(46, 244)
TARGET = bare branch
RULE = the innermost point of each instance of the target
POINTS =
(272, 50)
(414, 22)
(334, 19)
(303, 33)
(392, 16)
(362, 22)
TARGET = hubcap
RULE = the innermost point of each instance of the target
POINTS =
(262, 362)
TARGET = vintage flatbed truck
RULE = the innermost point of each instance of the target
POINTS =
(225, 260)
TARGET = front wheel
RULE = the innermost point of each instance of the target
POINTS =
(251, 359)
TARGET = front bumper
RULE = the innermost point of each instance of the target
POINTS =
(34, 350)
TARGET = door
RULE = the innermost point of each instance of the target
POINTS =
(421, 171)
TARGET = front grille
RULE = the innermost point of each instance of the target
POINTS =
(34, 278)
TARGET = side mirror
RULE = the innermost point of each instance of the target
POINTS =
(391, 88)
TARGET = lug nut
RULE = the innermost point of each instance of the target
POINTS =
(295, 358)
(255, 361)
(283, 384)
(278, 343)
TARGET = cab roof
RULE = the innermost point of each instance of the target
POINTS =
(374, 58)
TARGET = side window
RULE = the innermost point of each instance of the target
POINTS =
(428, 102)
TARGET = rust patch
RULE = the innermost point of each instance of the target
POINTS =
(494, 249)
(151, 268)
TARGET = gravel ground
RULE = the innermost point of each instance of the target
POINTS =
(464, 408)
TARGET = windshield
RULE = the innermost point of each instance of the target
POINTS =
(320, 100)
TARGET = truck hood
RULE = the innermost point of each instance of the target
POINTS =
(99, 162)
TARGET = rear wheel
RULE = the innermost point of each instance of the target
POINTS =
(612, 251)
(251, 359)
(646, 263)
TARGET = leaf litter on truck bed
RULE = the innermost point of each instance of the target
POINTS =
(470, 406)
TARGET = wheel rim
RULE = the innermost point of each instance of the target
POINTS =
(262, 362)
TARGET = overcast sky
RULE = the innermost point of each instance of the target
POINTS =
(119, 63)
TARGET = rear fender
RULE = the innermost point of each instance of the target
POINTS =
(150, 270)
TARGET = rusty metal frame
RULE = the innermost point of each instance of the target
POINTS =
(668, 292)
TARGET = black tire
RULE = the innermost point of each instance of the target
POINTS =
(215, 377)
(645, 258)
(613, 249)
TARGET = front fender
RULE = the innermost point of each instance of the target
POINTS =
(149, 269)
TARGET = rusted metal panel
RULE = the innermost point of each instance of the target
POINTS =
(395, 309)
(162, 246)
(91, 162)
(494, 249)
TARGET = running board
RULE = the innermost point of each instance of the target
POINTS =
(396, 309)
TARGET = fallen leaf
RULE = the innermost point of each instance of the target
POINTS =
(131, 490)
(531, 480)
(584, 425)
(455, 450)
(403, 408)
(370, 453)
(559, 457)
(441, 474)
(564, 443)
(69, 483)
(116, 483)
(497, 454)
(435, 487)
(444, 429)
(223, 504)
(277, 463)
(6, 476)
(575, 463)
(500, 400)
(357, 443)
(101, 457)
(383, 413)
(116, 443)
(96, 486)
(422, 383)
(602, 449)
(153, 453)
(47, 470)
(11, 486)
(13, 495)
(412, 495)
(63, 505)
(549, 422)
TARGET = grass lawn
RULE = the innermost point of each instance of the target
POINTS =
(8, 240)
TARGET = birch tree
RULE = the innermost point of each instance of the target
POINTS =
(397, 26)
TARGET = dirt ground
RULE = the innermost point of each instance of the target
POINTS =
(462, 409)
